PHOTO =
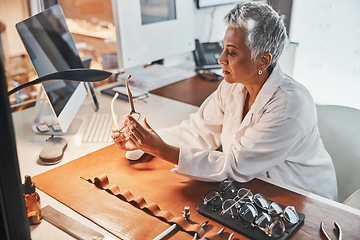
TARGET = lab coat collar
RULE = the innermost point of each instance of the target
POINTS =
(265, 94)
(267, 90)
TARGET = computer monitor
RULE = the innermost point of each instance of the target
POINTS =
(151, 30)
(51, 48)
(213, 3)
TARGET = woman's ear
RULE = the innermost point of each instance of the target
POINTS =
(265, 61)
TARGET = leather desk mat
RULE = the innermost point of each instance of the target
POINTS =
(151, 178)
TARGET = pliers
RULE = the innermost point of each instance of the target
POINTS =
(336, 226)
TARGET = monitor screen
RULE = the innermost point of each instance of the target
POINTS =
(51, 48)
(151, 14)
(213, 3)
(151, 30)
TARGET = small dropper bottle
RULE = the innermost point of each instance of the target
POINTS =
(32, 201)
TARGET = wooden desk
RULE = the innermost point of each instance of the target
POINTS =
(152, 180)
(315, 208)
(192, 90)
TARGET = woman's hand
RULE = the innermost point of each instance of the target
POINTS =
(143, 137)
(122, 140)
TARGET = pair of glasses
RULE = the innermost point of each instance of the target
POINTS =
(232, 205)
(133, 113)
(227, 187)
(271, 220)
(274, 227)
(214, 198)
(245, 195)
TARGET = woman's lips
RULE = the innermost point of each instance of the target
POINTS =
(225, 72)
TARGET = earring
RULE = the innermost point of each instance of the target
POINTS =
(260, 72)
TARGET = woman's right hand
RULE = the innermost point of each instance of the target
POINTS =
(122, 140)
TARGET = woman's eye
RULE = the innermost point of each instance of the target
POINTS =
(231, 53)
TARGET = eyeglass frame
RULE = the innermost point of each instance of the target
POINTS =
(251, 198)
(226, 187)
(272, 221)
(237, 201)
(277, 217)
(131, 103)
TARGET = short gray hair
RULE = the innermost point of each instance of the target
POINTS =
(264, 29)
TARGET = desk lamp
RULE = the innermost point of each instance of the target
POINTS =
(79, 75)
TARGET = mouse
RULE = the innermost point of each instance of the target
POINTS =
(134, 155)
(53, 150)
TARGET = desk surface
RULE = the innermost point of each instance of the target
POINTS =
(30, 144)
(189, 86)
(157, 110)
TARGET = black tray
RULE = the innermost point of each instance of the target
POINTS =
(242, 227)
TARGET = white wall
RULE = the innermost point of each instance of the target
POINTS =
(207, 29)
(327, 60)
(208, 26)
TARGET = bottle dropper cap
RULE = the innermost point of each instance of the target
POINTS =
(29, 186)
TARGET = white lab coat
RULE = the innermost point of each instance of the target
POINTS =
(278, 138)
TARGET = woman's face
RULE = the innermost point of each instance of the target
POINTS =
(236, 60)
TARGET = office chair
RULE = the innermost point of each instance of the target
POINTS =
(340, 132)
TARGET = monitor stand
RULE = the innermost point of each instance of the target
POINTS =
(45, 120)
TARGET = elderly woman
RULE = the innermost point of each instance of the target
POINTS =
(265, 121)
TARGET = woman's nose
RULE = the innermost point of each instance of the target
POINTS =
(221, 59)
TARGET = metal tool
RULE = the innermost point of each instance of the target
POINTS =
(186, 213)
(201, 231)
(219, 232)
(231, 235)
(336, 226)
(166, 232)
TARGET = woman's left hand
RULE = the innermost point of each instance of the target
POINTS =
(147, 140)
(143, 136)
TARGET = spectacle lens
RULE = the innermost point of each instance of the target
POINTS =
(276, 228)
(261, 201)
(275, 209)
(231, 207)
(245, 194)
(248, 212)
(262, 220)
(227, 187)
(290, 215)
(213, 198)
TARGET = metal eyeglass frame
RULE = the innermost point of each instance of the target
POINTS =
(243, 203)
(131, 102)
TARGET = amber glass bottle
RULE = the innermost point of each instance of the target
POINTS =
(32, 200)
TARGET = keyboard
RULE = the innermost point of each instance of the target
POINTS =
(99, 129)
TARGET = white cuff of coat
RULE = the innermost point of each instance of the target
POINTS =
(184, 162)
(184, 166)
